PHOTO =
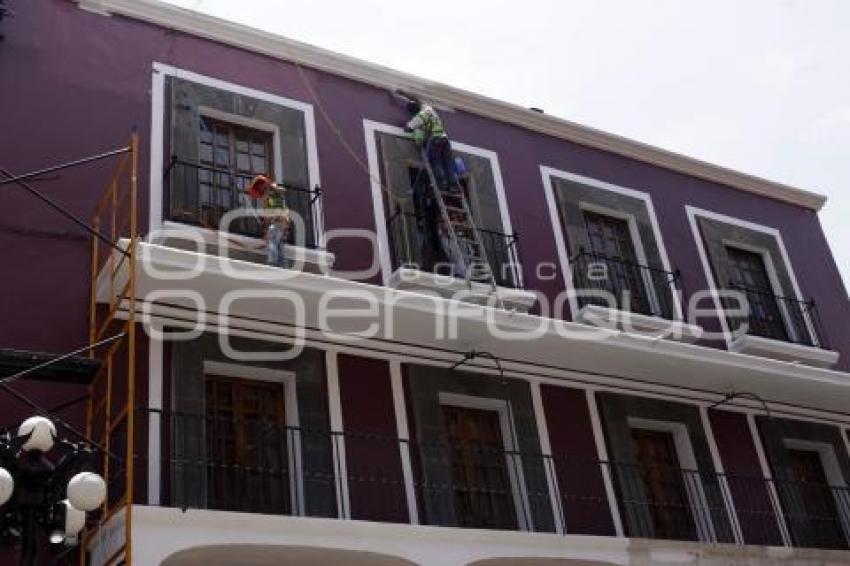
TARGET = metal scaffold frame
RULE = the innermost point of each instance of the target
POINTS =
(110, 416)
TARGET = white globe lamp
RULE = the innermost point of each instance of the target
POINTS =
(7, 485)
(41, 434)
(86, 491)
(75, 519)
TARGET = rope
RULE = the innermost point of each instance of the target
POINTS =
(398, 198)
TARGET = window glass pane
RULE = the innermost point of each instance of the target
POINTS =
(259, 165)
(242, 145)
(204, 192)
(258, 148)
(222, 158)
(243, 162)
(205, 153)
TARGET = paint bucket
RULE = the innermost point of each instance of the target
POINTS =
(460, 167)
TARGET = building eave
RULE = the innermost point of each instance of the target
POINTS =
(403, 322)
(238, 35)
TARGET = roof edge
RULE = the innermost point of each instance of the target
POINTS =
(209, 27)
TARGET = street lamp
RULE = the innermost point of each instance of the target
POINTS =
(43, 496)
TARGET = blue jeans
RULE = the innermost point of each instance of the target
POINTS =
(439, 152)
(277, 245)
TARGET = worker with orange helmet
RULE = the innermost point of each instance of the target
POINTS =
(276, 219)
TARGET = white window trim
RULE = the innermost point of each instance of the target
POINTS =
(513, 458)
(158, 131)
(688, 464)
(832, 470)
(371, 129)
(287, 380)
(548, 173)
(694, 212)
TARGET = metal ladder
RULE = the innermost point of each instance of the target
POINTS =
(466, 243)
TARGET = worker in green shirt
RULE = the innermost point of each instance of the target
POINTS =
(428, 131)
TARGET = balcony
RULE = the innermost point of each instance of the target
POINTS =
(197, 198)
(262, 467)
(419, 264)
(612, 292)
(778, 327)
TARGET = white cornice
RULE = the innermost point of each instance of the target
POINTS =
(230, 33)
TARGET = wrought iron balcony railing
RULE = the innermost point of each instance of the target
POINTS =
(260, 466)
(416, 246)
(617, 283)
(201, 195)
(777, 317)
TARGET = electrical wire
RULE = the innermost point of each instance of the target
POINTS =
(5, 385)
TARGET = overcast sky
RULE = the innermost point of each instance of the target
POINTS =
(759, 86)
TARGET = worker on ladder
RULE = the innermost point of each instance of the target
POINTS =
(276, 219)
(428, 132)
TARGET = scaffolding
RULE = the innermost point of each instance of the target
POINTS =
(110, 417)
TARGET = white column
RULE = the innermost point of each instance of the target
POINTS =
(548, 462)
(602, 452)
(729, 501)
(337, 438)
(154, 421)
(403, 440)
(765, 470)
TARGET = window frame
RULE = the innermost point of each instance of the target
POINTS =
(832, 471)
(548, 174)
(637, 243)
(371, 130)
(697, 499)
(773, 279)
(160, 72)
(516, 474)
(287, 380)
(693, 213)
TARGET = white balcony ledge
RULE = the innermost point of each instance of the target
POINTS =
(652, 326)
(407, 279)
(174, 537)
(786, 351)
(259, 301)
(186, 236)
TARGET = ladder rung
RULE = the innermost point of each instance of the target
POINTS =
(455, 209)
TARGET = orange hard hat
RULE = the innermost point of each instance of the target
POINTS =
(259, 186)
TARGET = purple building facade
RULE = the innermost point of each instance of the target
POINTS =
(659, 369)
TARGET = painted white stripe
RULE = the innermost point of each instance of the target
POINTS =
(728, 500)
(765, 471)
(404, 437)
(602, 453)
(155, 390)
(157, 133)
(335, 410)
(546, 450)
